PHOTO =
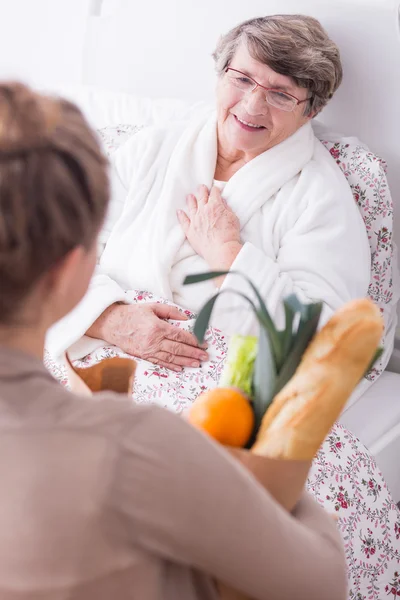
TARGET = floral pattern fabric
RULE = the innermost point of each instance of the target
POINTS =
(366, 175)
(114, 137)
(344, 477)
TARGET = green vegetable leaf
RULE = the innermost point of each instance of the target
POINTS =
(294, 303)
(203, 319)
(307, 328)
(204, 316)
(287, 337)
(264, 379)
(311, 312)
(377, 356)
(263, 314)
(269, 325)
(199, 277)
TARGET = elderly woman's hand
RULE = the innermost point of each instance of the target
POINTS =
(140, 330)
(211, 228)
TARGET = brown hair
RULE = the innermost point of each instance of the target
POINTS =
(54, 188)
(293, 45)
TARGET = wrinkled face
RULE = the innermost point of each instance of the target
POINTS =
(247, 124)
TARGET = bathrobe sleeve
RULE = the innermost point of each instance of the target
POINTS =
(317, 248)
(69, 332)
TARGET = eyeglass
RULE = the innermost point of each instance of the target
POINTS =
(276, 98)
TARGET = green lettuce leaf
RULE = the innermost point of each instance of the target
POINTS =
(239, 365)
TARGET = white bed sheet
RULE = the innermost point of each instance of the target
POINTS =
(103, 107)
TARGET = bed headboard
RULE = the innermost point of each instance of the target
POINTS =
(165, 51)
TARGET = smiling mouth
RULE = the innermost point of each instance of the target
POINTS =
(248, 126)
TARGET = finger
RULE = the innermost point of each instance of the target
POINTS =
(215, 195)
(174, 333)
(183, 220)
(165, 311)
(181, 361)
(191, 203)
(217, 198)
(183, 350)
(203, 194)
(160, 363)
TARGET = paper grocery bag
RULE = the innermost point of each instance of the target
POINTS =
(284, 479)
(115, 374)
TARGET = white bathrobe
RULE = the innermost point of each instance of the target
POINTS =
(300, 227)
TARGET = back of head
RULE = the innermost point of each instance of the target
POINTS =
(54, 189)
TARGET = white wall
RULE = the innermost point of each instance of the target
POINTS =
(41, 41)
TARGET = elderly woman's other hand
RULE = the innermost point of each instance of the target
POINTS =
(140, 330)
(211, 228)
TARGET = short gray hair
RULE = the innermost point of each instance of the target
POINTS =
(293, 45)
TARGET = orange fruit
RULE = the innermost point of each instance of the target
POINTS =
(225, 414)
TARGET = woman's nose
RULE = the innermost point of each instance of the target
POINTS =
(255, 102)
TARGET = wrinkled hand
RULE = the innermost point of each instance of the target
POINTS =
(139, 330)
(211, 228)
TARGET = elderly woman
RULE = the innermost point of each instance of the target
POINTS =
(247, 188)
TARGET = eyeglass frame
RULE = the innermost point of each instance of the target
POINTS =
(269, 89)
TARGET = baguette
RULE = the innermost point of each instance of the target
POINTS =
(303, 412)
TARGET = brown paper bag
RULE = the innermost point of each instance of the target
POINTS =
(284, 479)
(115, 374)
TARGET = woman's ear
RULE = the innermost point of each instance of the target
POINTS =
(67, 281)
(65, 271)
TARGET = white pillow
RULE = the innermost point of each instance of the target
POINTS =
(105, 107)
